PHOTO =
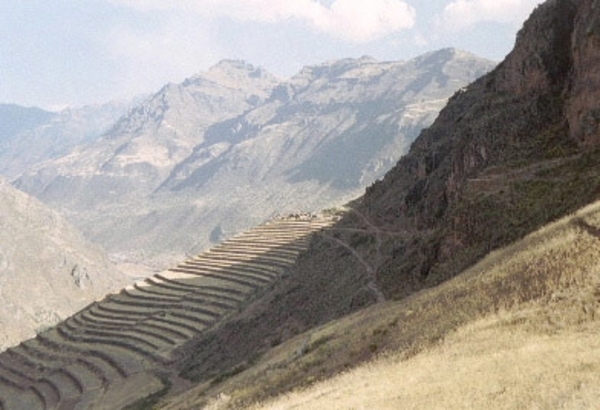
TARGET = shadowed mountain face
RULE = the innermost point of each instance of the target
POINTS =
(232, 147)
(48, 270)
(504, 157)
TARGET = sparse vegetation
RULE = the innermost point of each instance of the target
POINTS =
(514, 330)
(544, 286)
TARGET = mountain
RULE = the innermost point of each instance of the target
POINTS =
(230, 148)
(48, 270)
(14, 119)
(511, 152)
(516, 330)
(105, 185)
(29, 136)
(341, 124)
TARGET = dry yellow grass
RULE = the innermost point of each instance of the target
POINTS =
(541, 350)
(517, 330)
(486, 365)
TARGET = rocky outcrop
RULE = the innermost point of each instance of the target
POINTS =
(503, 158)
(48, 270)
(542, 55)
(583, 111)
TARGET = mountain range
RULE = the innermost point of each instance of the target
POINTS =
(505, 156)
(232, 147)
(469, 271)
(29, 135)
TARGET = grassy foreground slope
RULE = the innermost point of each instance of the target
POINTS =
(490, 364)
(517, 330)
(535, 346)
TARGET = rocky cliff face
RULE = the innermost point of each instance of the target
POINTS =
(514, 150)
(582, 107)
(229, 148)
(504, 157)
(541, 57)
(48, 270)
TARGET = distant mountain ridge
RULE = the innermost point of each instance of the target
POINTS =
(230, 148)
(14, 118)
(29, 136)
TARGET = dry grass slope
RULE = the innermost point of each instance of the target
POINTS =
(490, 364)
(517, 330)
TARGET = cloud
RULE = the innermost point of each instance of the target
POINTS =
(360, 21)
(463, 14)
(148, 58)
(352, 20)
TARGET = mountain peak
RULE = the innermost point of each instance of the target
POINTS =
(339, 63)
(233, 73)
(229, 64)
(443, 56)
(542, 54)
(239, 67)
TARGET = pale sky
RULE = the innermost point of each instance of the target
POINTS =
(56, 53)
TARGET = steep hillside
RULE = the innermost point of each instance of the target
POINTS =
(30, 136)
(231, 148)
(516, 330)
(47, 269)
(503, 158)
(119, 350)
(520, 332)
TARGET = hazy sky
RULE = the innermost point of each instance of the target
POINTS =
(55, 53)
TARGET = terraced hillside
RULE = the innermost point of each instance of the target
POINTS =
(116, 351)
